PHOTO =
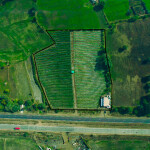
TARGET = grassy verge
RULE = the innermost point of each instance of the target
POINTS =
(117, 142)
(75, 124)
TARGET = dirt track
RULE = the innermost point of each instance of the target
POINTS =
(73, 75)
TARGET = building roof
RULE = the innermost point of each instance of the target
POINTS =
(106, 102)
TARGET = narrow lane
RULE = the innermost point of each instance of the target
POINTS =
(79, 119)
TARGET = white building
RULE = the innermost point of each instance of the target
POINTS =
(106, 101)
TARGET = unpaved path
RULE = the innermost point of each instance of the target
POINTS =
(72, 67)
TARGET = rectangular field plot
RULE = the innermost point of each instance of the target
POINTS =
(67, 14)
(54, 69)
(89, 81)
(116, 9)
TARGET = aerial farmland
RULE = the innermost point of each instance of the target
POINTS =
(69, 68)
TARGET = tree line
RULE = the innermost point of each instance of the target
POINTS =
(13, 105)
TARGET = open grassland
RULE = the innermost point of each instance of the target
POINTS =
(54, 69)
(18, 78)
(147, 2)
(90, 82)
(20, 35)
(66, 14)
(130, 65)
(17, 143)
(116, 9)
(117, 142)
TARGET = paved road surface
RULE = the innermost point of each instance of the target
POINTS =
(112, 131)
(86, 119)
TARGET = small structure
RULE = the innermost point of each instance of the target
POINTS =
(72, 71)
(21, 108)
(106, 101)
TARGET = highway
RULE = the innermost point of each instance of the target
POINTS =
(79, 119)
(110, 131)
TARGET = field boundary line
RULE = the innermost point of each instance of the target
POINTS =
(43, 89)
(36, 69)
(72, 68)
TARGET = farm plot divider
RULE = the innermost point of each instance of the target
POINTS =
(54, 64)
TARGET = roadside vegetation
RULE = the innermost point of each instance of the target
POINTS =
(116, 142)
(14, 105)
(33, 141)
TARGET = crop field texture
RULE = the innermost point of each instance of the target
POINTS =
(116, 9)
(67, 14)
(16, 144)
(90, 83)
(147, 2)
(20, 35)
(118, 144)
(131, 65)
(54, 69)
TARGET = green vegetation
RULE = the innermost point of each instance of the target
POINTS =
(13, 105)
(16, 81)
(117, 142)
(90, 72)
(17, 143)
(88, 61)
(130, 65)
(116, 9)
(54, 69)
(20, 35)
(147, 3)
(74, 14)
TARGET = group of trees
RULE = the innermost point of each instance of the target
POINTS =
(99, 6)
(102, 64)
(3, 2)
(9, 105)
(122, 110)
(143, 109)
(146, 61)
(122, 49)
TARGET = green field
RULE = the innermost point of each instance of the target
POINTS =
(90, 83)
(116, 9)
(20, 36)
(147, 2)
(54, 69)
(67, 14)
(17, 143)
(127, 67)
(19, 77)
(119, 144)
